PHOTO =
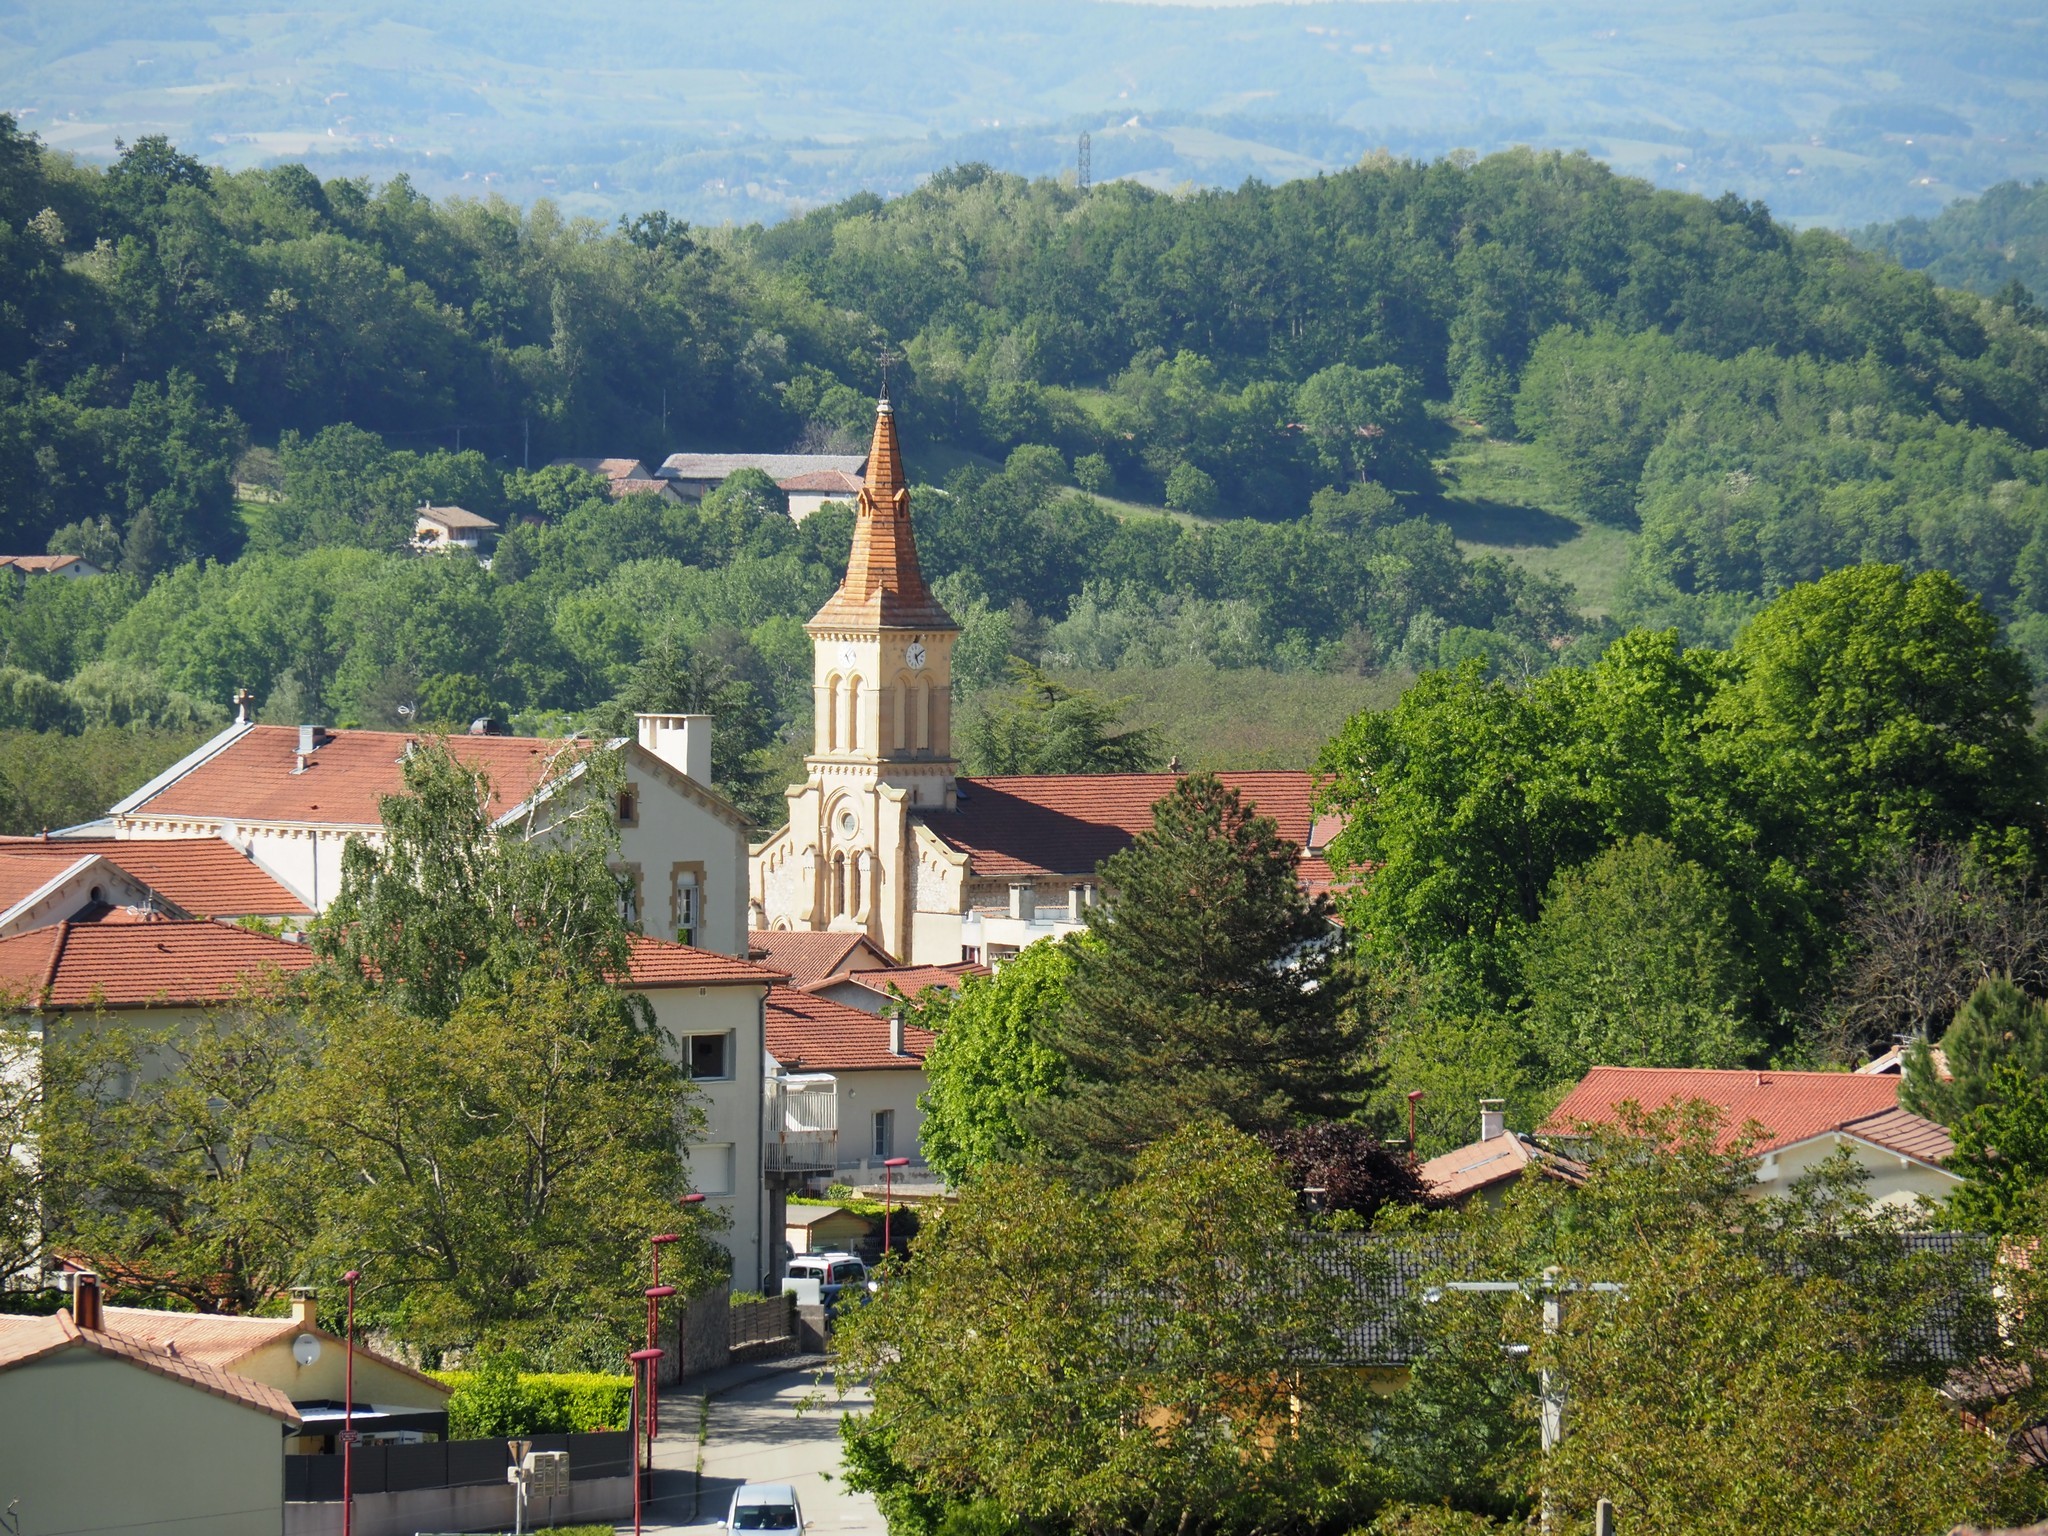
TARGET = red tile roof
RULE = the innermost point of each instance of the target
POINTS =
(200, 875)
(658, 963)
(815, 1034)
(836, 482)
(1067, 824)
(1482, 1164)
(139, 965)
(21, 878)
(611, 469)
(253, 777)
(1790, 1106)
(43, 565)
(809, 957)
(219, 1341)
(908, 979)
(27, 1339)
(1904, 1132)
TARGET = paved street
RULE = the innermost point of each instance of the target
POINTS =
(780, 1427)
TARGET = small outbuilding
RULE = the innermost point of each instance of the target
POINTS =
(450, 528)
(824, 1228)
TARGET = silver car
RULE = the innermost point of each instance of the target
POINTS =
(764, 1507)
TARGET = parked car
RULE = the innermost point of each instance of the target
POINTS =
(764, 1507)
(834, 1274)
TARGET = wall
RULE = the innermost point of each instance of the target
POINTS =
(682, 825)
(732, 1107)
(1894, 1180)
(188, 1463)
(598, 1500)
(861, 1093)
(378, 1383)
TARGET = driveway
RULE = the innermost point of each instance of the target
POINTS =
(780, 1427)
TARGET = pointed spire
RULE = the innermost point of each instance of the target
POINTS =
(884, 588)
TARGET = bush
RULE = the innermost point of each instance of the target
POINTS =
(1093, 474)
(1190, 489)
(497, 1399)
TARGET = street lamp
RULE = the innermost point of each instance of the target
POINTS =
(655, 1244)
(1413, 1095)
(640, 1357)
(348, 1411)
(656, 1295)
(889, 1167)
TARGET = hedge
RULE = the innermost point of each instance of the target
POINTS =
(498, 1400)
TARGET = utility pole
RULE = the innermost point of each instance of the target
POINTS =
(526, 441)
(1084, 164)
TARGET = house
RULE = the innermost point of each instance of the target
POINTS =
(72, 566)
(877, 1063)
(875, 989)
(106, 1431)
(1805, 1118)
(695, 475)
(1486, 1168)
(394, 1404)
(290, 798)
(43, 879)
(647, 485)
(158, 970)
(824, 1228)
(450, 528)
(887, 838)
(819, 488)
(809, 957)
(613, 470)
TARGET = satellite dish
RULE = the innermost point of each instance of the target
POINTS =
(305, 1349)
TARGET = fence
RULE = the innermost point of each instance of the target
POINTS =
(760, 1322)
(451, 1464)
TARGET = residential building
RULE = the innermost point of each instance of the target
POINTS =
(73, 566)
(809, 957)
(817, 489)
(876, 989)
(101, 1430)
(613, 470)
(44, 880)
(824, 1228)
(290, 799)
(450, 528)
(1488, 1167)
(647, 485)
(695, 475)
(877, 1064)
(886, 838)
(1791, 1122)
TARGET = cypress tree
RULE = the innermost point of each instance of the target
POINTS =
(1210, 990)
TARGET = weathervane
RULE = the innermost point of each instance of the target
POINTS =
(888, 358)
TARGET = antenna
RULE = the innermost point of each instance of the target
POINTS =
(1084, 168)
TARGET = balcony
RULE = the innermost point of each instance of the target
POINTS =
(803, 1124)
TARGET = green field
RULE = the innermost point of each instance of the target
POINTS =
(1248, 718)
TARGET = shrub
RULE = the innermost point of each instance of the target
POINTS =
(497, 1399)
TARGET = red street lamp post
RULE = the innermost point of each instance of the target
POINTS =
(656, 1295)
(1413, 1095)
(640, 1357)
(889, 1167)
(348, 1411)
(655, 1244)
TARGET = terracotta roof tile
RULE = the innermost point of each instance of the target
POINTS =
(21, 878)
(909, 979)
(611, 469)
(658, 963)
(815, 1034)
(43, 565)
(1067, 824)
(133, 965)
(26, 1339)
(1790, 1106)
(1905, 1132)
(1482, 1164)
(809, 957)
(219, 1341)
(452, 517)
(777, 466)
(203, 876)
(641, 485)
(884, 586)
(252, 777)
(836, 482)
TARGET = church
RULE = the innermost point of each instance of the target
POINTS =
(887, 839)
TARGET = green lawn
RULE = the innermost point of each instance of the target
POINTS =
(1499, 499)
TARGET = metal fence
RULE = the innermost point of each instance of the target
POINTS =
(451, 1464)
(759, 1322)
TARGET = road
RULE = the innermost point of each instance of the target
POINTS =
(780, 1428)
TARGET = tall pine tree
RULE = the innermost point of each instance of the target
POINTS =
(1209, 990)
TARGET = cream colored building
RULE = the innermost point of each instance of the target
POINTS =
(291, 798)
(100, 1431)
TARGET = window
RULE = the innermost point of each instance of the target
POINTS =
(711, 1169)
(885, 1133)
(629, 808)
(710, 1057)
(686, 909)
(970, 953)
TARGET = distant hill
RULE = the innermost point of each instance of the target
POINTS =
(1839, 112)
(1981, 243)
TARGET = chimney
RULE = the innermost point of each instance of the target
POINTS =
(681, 741)
(896, 1033)
(1023, 900)
(1076, 901)
(1493, 1120)
(85, 1301)
(305, 1306)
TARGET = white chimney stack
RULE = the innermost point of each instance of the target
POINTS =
(681, 741)
(1075, 903)
(1023, 900)
(896, 1033)
(1493, 1120)
(305, 1306)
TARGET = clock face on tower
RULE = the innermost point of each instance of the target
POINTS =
(915, 655)
(848, 655)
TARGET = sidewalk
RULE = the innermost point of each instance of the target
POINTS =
(677, 1496)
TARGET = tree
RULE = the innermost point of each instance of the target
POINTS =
(1209, 988)
(22, 1086)
(167, 1154)
(2002, 1151)
(1181, 1302)
(495, 1172)
(990, 1061)
(1042, 725)
(1999, 1026)
(1191, 489)
(1340, 1166)
(1365, 423)
(1634, 964)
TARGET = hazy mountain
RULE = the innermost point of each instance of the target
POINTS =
(1842, 111)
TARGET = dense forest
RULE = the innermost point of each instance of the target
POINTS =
(230, 390)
